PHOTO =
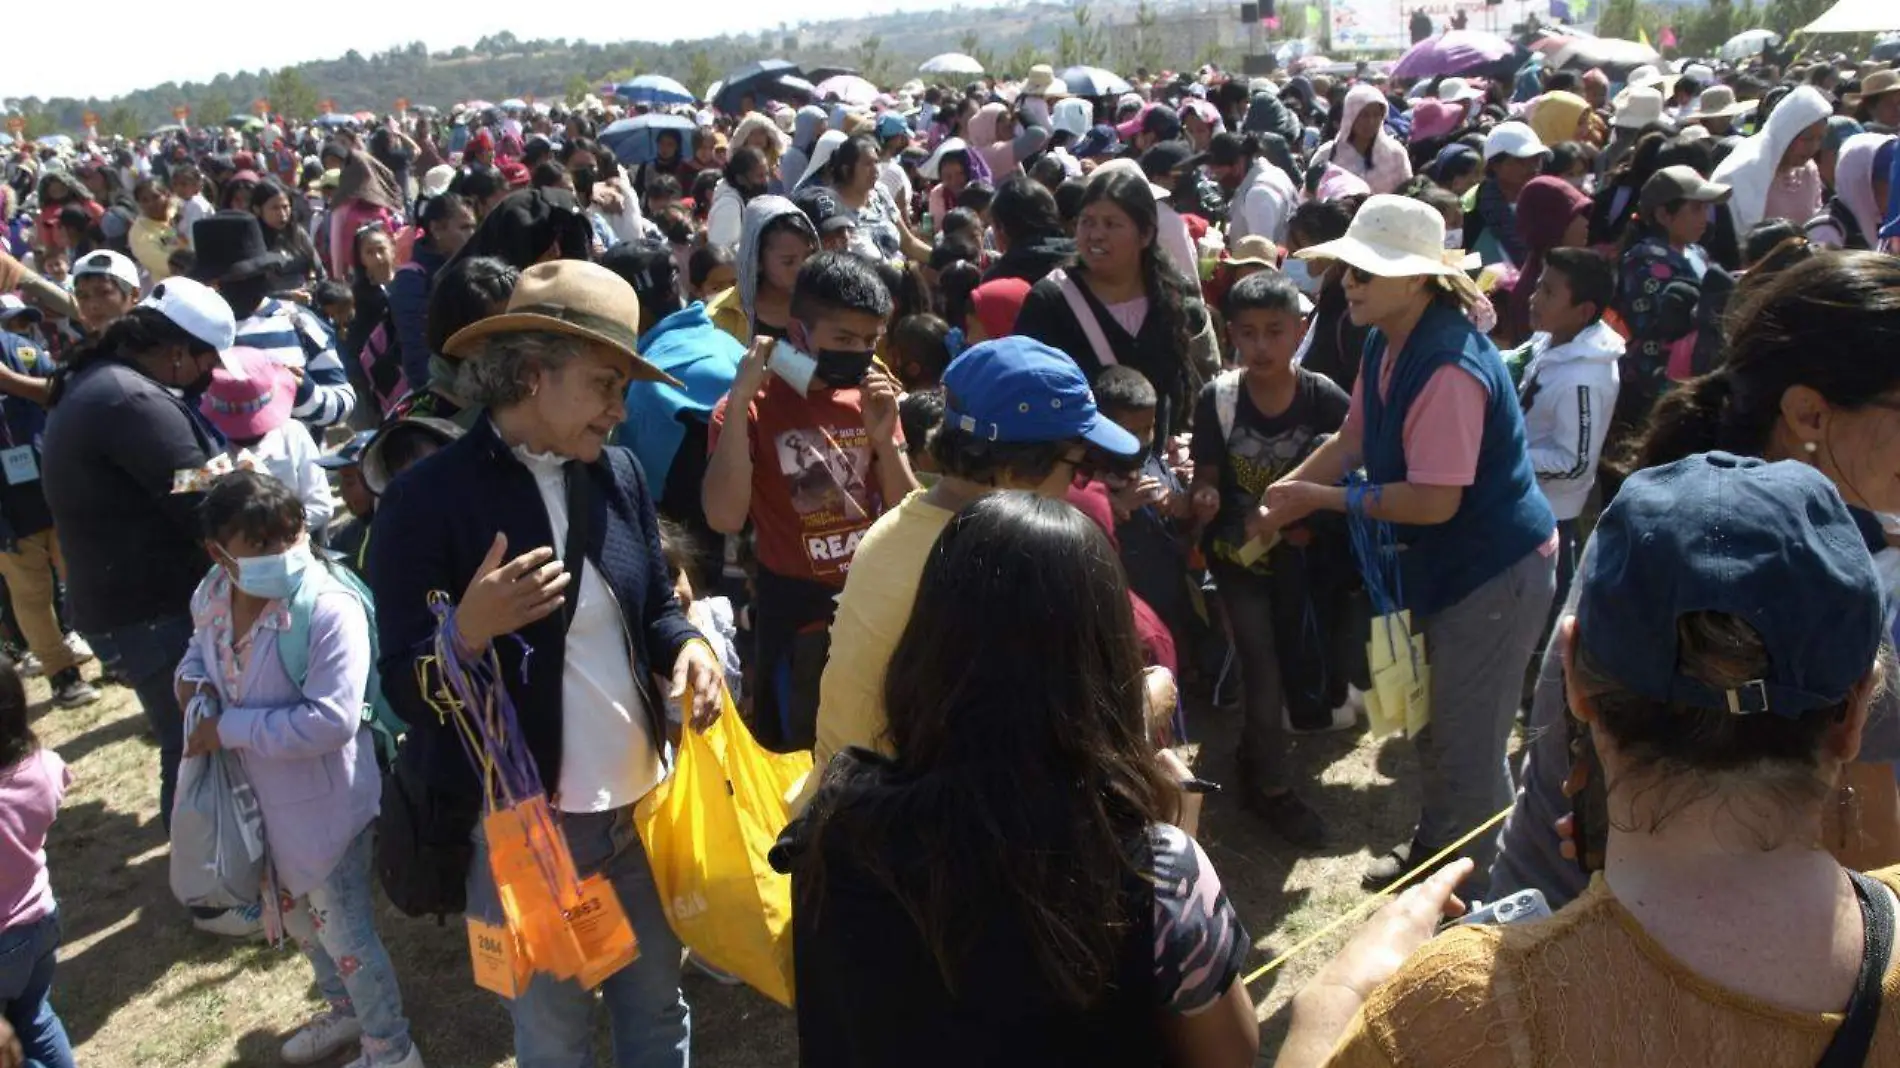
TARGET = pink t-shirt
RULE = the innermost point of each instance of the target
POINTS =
(1129, 314)
(1794, 195)
(30, 792)
(1443, 428)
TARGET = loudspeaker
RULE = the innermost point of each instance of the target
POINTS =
(1259, 66)
(1250, 13)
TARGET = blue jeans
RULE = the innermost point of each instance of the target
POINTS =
(27, 954)
(554, 1019)
(145, 655)
(335, 924)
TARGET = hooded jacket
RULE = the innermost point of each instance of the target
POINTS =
(688, 346)
(732, 310)
(1263, 203)
(1568, 394)
(806, 129)
(1003, 156)
(752, 124)
(1750, 170)
(1854, 204)
(1389, 166)
(1267, 115)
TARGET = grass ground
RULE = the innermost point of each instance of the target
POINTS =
(139, 988)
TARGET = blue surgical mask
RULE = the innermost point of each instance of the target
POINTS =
(1455, 238)
(274, 577)
(1303, 276)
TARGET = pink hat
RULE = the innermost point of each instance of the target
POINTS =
(254, 405)
(1339, 182)
(1435, 118)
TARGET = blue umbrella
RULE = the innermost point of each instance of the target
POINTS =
(635, 141)
(654, 89)
(334, 118)
(762, 80)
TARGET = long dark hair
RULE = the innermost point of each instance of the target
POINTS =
(1831, 323)
(1016, 717)
(845, 158)
(1168, 292)
(139, 331)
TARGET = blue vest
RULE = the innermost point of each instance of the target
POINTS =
(1503, 514)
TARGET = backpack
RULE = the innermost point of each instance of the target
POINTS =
(293, 648)
(1227, 400)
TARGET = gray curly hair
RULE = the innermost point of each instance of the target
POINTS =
(501, 373)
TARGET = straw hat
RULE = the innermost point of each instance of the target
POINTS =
(1042, 82)
(1253, 250)
(572, 297)
(1717, 102)
(1879, 83)
(1393, 237)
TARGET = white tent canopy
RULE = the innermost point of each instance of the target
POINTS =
(1857, 16)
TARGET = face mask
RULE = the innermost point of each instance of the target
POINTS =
(749, 190)
(1455, 238)
(1302, 274)
(274, 577)
(841, 369)
(584, 180)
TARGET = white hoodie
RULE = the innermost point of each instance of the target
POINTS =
(1568, 394)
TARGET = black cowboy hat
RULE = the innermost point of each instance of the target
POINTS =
(230, 247)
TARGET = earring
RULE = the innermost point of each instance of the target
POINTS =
(1810, 447)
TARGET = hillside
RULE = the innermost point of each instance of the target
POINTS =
(886, 48)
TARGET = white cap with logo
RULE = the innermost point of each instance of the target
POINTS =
(200, 311)
(116, 265)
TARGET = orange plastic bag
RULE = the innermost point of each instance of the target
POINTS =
(568, 927)
(707, 830)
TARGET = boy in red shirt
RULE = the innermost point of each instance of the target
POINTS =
(821, 457)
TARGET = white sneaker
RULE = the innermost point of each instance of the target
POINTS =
(326, 1033)
(82, 653)
(413, 1060)
(30, 667)
(246, 922)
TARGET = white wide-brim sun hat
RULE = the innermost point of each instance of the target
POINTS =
(1393, 237)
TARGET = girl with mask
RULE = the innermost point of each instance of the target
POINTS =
(303, 746)
(747, 175)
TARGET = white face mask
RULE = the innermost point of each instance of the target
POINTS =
(1455, 238)
(1303, 275)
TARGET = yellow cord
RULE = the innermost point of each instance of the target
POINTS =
(1377, 899)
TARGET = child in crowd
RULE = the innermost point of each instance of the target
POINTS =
(188, 185)
(349, 535)
(710, 272)
(22, 321)
(1569, 387)
(713, 616)
(305, 748)
(33, 780)
(1252, 425)
(811, 455)
(920, 412)
(918, 350)
(1148, 507)
(1660, 286)
(335, 305)
(253, 413)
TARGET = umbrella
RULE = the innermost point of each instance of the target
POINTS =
(951, 63)
(477, 105)
(636, 140)
(1454, 52)
(1749, 43)
(1616, 57)
(1309, 63)
(1094, 81)
(334, 119)
(824, 74)
(848, 88)
(364, 116)
(513, 103)
(166, 130)
(1857, 16)
(1887, 48)
(246, 123)
(760, 80)
(55, 141)
(654, 89)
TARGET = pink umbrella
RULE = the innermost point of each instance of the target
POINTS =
(848, 88)
(1306, 63)
(1453, 52)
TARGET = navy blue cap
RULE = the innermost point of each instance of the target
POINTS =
(1018, 389)
(349, 454)
(1100, 141)
(1769, 543)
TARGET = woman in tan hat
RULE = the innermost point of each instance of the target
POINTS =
(1877, 105)
(550, 538)
(1435, 420)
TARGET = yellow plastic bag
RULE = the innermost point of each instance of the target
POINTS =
(1400, 698)
(707, 830)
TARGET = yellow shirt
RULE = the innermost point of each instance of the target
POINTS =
(1586, 987)
(872, 613)
(727, 312)
(152, 244)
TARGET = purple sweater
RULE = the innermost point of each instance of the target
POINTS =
(307, 754)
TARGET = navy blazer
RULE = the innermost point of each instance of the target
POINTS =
(433, 527)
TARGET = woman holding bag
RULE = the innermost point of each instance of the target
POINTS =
(548, 540)
(1442, 440)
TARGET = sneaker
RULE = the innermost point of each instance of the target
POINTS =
(698, 964)
(1290, 817)
(30, 666)
(71, 691)
(246, 922)
(413, 1059)
(82, 653)
(326, 1033)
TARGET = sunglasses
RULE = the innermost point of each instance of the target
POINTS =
(1360, 275)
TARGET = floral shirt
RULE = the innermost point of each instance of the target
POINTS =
(211, 611)
(1657, 296)
(877, 235)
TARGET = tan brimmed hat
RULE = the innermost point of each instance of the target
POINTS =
(1879, 83)
(572, 297)
(1718, 102)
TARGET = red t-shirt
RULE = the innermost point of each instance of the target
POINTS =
(815, 488)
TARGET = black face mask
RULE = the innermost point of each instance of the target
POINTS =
(748, 190)
(841, 369)
(584, 180)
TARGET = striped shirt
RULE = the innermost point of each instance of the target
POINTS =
(293, 336)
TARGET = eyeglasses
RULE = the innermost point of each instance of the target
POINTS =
(1083, 465)
(1360, 275)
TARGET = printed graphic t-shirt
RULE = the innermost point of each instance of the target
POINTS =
(1261, 450)
(814, 479)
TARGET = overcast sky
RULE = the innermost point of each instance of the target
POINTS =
(141, 44)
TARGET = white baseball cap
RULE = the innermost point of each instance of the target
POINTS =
(1458, 90)
(1513, 139)
(200, 311)
(112, 264)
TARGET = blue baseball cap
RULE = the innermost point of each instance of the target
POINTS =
(891, 124)
(1017, 389)
(348, 454)
(1769, 543)
(1099, 141)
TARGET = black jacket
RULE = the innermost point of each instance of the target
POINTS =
(434, 526)
(1046, 316)
(1032, 261)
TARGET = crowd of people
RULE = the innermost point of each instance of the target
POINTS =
(966, 438)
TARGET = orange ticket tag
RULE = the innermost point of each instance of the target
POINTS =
(600, 926)
(499, 966)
